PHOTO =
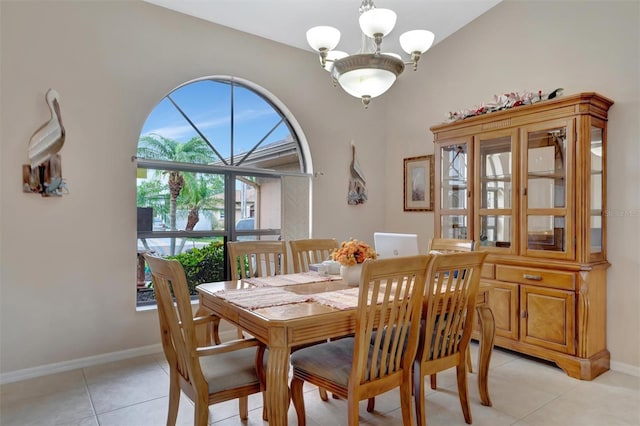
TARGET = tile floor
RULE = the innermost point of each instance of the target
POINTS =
(133, 392)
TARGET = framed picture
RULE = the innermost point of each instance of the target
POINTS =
(418, 184)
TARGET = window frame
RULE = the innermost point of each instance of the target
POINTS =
(229, 170)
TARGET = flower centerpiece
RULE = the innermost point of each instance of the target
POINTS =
(351, 255)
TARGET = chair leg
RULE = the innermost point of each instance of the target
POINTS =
(371, 404)
(463, 391)
(265, 417)
(174, 398)
(405, 402)
(215, 331)
(201, 417)
(353, 412)
(243, 408)
(298, 400)
(323, 394)
(468, 356)
(418, 395)
(432, 379)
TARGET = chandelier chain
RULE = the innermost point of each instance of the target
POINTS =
(366, 6)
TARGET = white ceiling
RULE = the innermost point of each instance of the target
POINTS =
(287, 21)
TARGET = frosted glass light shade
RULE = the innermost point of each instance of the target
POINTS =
(367, 75)
(323, 37)
(367, 82)
(377, 21)
(416, 41)
(333, 56)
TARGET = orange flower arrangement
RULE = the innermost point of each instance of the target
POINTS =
(353, 252)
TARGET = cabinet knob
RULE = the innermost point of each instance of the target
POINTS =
(523, 314)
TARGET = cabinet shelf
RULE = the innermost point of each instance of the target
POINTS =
(556, 176)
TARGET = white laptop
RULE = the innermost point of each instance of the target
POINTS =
(395, 245)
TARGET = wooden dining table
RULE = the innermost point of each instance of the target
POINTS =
(292, 310)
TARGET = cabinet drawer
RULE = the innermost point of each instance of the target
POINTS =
(540, 277)
(488, 271)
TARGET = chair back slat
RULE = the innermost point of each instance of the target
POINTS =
(250, 259)
(390, 300)
(451, 290)
(309, 251)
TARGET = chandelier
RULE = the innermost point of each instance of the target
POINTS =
(368, 73)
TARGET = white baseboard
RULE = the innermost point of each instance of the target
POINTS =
(58, 367)
(229, 333)
(620, 367)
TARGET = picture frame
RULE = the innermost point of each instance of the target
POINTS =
(418, 184)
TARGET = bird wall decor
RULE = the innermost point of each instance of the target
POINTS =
(357, 184)
(43, 174)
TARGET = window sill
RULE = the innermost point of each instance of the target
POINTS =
(154, 306)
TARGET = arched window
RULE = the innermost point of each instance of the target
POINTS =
(218, 159)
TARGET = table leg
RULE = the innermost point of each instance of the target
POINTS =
(488, 327)
(277, 386)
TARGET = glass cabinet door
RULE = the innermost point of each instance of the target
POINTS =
(495, 168)
(596, 155)
(546, 183)
(454, 191)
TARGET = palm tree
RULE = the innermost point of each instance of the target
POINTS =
(157, 147)
(198, 193)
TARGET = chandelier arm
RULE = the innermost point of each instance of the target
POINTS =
(415, 57)
(323, 56)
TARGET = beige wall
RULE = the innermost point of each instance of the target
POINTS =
(583, 46)
(68, 265)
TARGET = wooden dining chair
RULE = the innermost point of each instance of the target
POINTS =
(250, 259)
(207, 375)
(357, 368)
(312, 250)
(450, 245)
(451, 290)
(305, 252)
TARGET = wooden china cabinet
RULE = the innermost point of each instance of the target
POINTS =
(528, 184)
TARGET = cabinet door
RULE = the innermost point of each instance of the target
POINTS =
(547, 318)
(453, 207)
(504, 305)
(495, 177)
(596, 195)
(548, 191)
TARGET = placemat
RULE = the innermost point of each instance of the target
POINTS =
(339, 299)
(261, 297)
(344, 299)
(289, 279)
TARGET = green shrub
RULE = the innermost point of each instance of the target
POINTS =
(202, 265)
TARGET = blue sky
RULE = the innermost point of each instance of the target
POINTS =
(208, 104)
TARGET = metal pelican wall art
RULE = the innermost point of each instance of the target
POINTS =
(357, 184)
(43, 174)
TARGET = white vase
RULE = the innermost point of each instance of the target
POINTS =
(351, 274)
